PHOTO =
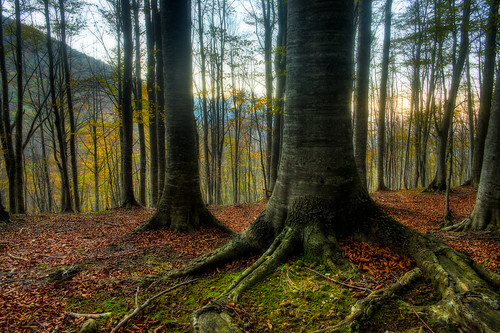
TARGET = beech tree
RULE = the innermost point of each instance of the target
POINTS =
(66, 201)
(439, 181)
(138, 105)
(18, 139)
(153, 118)
(486, 214)
(486, 92)
(319, 195)
(5, 128)
(181, 205)
(128, 197)
(362, 87)
(69, 99)
(380, 184)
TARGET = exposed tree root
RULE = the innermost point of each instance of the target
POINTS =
(362, 310)
(470, 298)
(280, 250)
(462, 226)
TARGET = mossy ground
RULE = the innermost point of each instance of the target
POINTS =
(291, 299)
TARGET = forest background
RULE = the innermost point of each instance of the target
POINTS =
(65, 138)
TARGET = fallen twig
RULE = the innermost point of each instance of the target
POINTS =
(420, 318)
(146, 303)
(338, 282)
(16, 257)
(89, 315)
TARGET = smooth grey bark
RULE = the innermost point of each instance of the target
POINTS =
(486, 213)
(71, 113)
(128, 197)
(486, 92)
(6, 135)
(181, 206)
(380, 184)
(160, 99)
(66, 201)
(153, 118)
(204, 105)
(18, 148)
(268, 18)
(279, 100)
(362, 87)
(138, 106)
(439, 181)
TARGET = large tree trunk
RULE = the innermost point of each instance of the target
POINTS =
(439, 181)
(69, 97)
(181, 206)
(380, 185)
(128, 198)
(362, 87)
(486, 93)
(319, 194)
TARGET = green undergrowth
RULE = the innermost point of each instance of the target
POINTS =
(291, 299)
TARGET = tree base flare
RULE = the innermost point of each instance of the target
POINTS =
(183, 221)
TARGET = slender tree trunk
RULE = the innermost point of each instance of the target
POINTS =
(381, 144)
(20, 208)
(66, 202)
(46, 173)
(279, 102)
(160, 98)
(362, 87)
(206, 150)
(153, 118)
(486, 93)
(268, 33)
(128, 198)
(69, 97)
(96, 168)
(439, 181)
(138, 106)
(6, 135)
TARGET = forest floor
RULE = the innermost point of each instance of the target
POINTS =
(294, 298)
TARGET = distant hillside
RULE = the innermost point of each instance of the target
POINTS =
(34, 48)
